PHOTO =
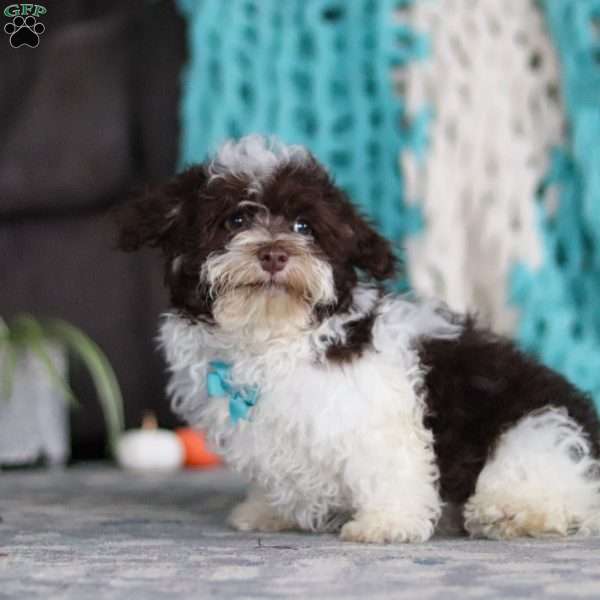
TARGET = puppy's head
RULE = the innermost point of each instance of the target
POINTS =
(259, 237)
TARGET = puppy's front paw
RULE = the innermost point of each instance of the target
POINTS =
(257, 516)
(383, 528)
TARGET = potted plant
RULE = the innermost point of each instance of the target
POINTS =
(34, 392)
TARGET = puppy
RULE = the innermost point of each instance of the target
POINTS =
(347, 408)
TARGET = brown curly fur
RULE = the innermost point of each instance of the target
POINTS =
(186, 218)
(480, 384)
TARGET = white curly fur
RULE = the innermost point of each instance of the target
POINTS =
(328, 446)
(322, 439)
(541, 481)
(255, 158)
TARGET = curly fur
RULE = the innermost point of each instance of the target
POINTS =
(246, 301)
(309, 444)
(541, 480)
(253, 159)
(374, 410)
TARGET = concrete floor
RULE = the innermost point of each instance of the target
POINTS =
(95, 533)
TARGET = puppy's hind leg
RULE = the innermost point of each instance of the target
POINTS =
(256, 514)
(541, 480)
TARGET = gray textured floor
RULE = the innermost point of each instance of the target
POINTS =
(99, 533)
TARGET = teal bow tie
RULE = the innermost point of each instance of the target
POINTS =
(218, 384)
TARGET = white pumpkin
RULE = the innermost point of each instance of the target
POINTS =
(150, 448)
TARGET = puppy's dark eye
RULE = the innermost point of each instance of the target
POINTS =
(236, 221)
(302, 227)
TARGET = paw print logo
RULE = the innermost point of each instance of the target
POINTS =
(24, 31)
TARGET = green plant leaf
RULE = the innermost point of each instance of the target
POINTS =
(29, 334)
(25, 333)
(9, 364)
(103, 376)
(9, 359)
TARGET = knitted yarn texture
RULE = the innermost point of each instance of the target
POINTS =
(318, 73)
(492, 83)
(469, 130)
(559, 303)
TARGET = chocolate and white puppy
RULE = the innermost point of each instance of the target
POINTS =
(344, 406)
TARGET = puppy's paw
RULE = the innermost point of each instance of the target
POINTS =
(257, 516)
(385, 528)
(511, 519)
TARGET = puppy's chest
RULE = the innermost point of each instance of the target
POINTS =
(311, 411)
(318, 401)
(301, 430)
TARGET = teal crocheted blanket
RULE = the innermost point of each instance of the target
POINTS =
(560, 303)
(325, 81)
(318, 72)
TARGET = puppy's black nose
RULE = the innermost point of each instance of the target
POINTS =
(272, 259)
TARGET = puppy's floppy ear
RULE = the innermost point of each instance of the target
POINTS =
(372, 253)
(369, 251)
(150, 218)
(147, 219)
